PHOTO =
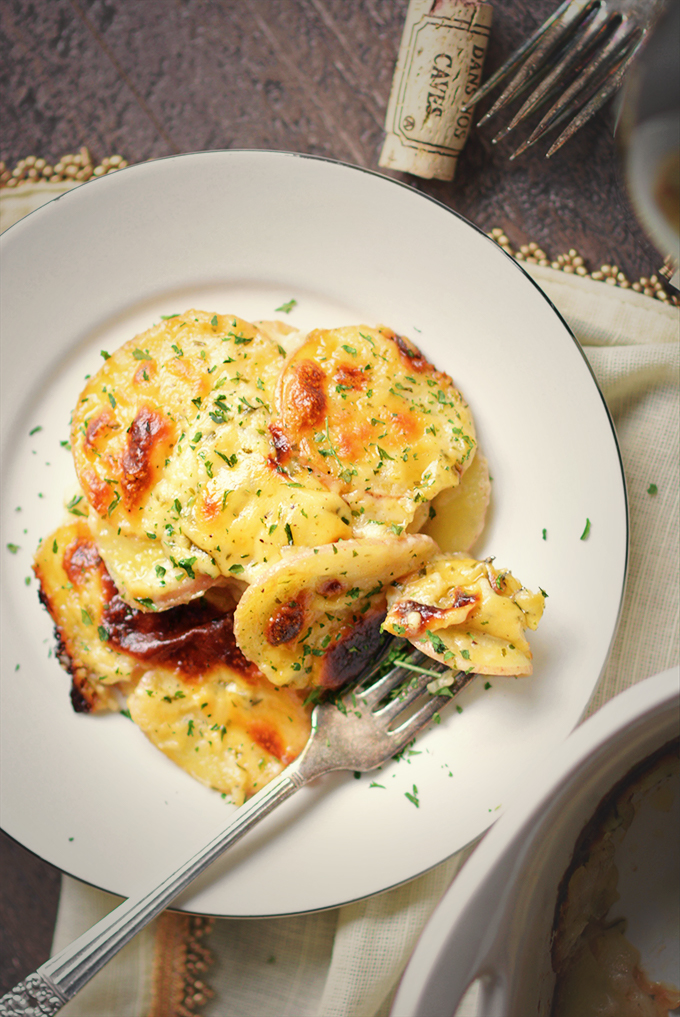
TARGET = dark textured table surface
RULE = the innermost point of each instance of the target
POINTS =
(148, 78)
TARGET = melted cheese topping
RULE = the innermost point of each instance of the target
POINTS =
(467, 614)
(376, 421)
(314, 617)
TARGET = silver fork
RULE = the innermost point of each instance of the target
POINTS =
(578, 57)
(359, 731)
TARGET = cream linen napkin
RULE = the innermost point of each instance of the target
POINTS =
(347, 962)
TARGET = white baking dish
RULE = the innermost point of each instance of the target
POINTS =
(494, 925)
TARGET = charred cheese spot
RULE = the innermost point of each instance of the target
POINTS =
(466, 613)
(96, 490)
(415, 617)
(349, 376)
(286, 622)
(149, 441)
(145, 372)
(282, 447)
(267, 737)
(327, 603)
(305, 396)
(190, 638)
(359, 641)
(80, 557)
(409, 353)
(97, 430)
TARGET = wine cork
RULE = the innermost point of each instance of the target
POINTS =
(439, 66)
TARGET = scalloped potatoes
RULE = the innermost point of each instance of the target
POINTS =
(255, 505)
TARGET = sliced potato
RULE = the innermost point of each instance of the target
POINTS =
(230, 731)
(373, 418)
(75, 588)
(314, 618)
(458, 514)
(467, 614)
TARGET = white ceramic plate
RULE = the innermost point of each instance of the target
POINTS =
(242, 232)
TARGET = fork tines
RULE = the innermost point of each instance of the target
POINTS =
(391, 695)
(575, 60)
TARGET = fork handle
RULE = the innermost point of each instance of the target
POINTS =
(45, 991)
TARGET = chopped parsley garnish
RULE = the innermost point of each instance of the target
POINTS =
(438, 644)
(112, 505)
(73, 505)
(141, 354)
(35, 430)
(545, 534)
(105, 355)
(213, 321)
(146, 602)
(413, 796)
(586, 530)
(12, 548)
(187, 565)
(289, 533)
(85, 615)
(103, 634)
(652, 489)
(167, 317)
(287, 307)
(236, 569)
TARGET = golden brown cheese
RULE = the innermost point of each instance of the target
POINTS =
(166, 662)
(372, 417)
(314, 618)
(466, 613)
